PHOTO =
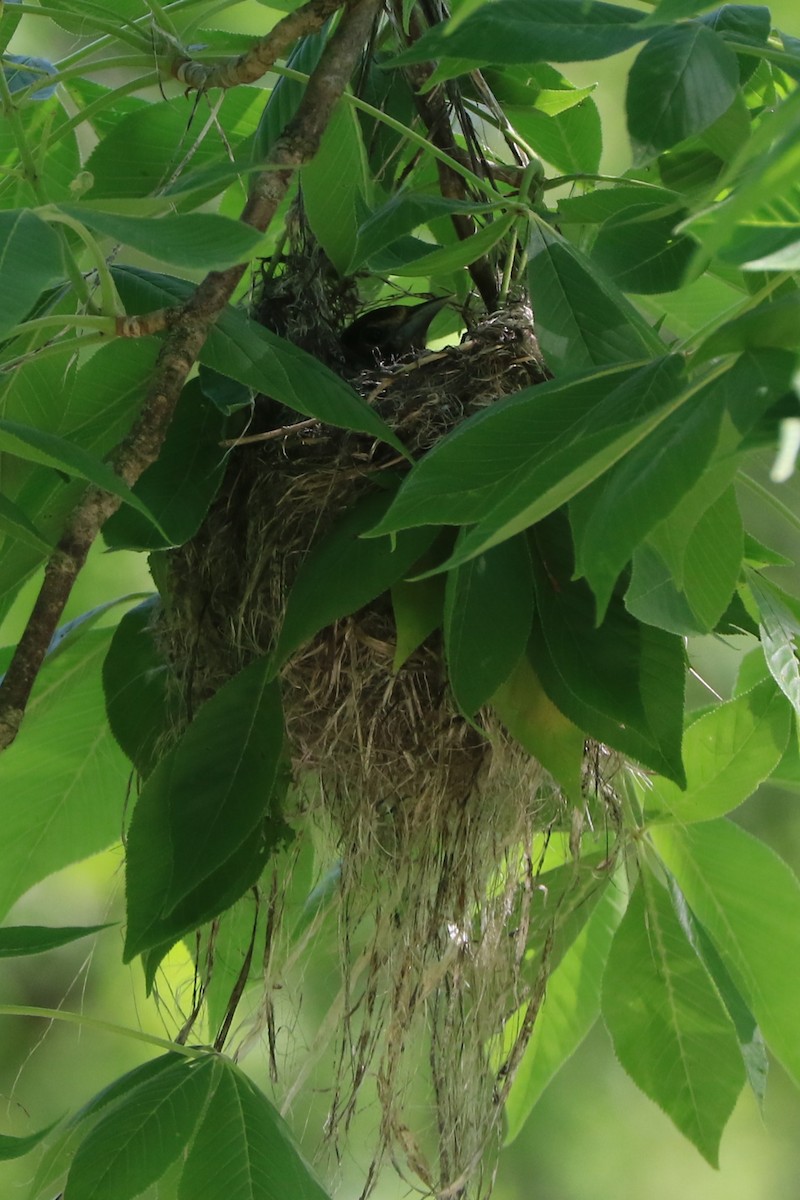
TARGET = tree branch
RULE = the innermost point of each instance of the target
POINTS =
(255, 62)
(187, 332)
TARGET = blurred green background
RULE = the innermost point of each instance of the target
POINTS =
(593, 1136)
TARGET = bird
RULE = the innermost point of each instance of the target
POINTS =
(389, 332)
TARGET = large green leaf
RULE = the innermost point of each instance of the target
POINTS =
(681, 82)
(64, 780)
(400, 215)
(49, 450)
(244, 1150)
(727, 753)
(15, 525)
(204, 799)
(30, 260)
(756, 928)
(563, 467)
(570, 1009)
(140, 703)
(151, 147)
(180, 485)
(765, 169)
(241, 349)
(582, 318)
(533, 720)
(469, 471)
(205, 240)
(640, 251)
(344, 571)
(611, 517)
(621, 682)
(773, 324)
(670, 1029)
(336, 186)
(572, 139)
(711, 565)
(154, 934)
(18, 1147)
(19, 940)
(142, 1133)
(526, 31)
(751, 1041)
(458, 254)
(488, 610)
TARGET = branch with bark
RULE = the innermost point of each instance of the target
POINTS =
(187, 332)
(261, 57)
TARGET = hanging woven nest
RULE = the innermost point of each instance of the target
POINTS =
(432, 817)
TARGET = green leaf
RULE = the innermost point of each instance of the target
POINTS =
(149, 149)
(771, 324)
(471, 469)
(598, 206)
(18, 1147)
(242, 349)
(756, 928)
(621, 682)
(417, 606)
(9, 20)
(670, 1029)
(488, 609)
(571, 139)
(239, 874)
(140, 703)
(766, 168)
(767, 238)
(570, 1009)
(204, 240)
(640, 251)
(145, 1131)
(533, 720)
(583, 453)
(16, 525)
(711, 567)
(335, 184)
(582, 319)
(204, 799)
(63, 781)
(19, 940)
(93, 407)
(243, 1149)
(343, 572)
(779, 630)
(528, 31)
(402, 214)
(681, 82)
(460, 253)
(30, 259)
(727, 753)
(181, 484)
(641, 490)
(49, 450)
(751, 1042)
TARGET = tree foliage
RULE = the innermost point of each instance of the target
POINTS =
(562, 546)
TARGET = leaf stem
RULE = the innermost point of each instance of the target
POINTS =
(765, 494)
(110, 305)
(73, 1018)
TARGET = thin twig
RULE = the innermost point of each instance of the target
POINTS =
(182, 345)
